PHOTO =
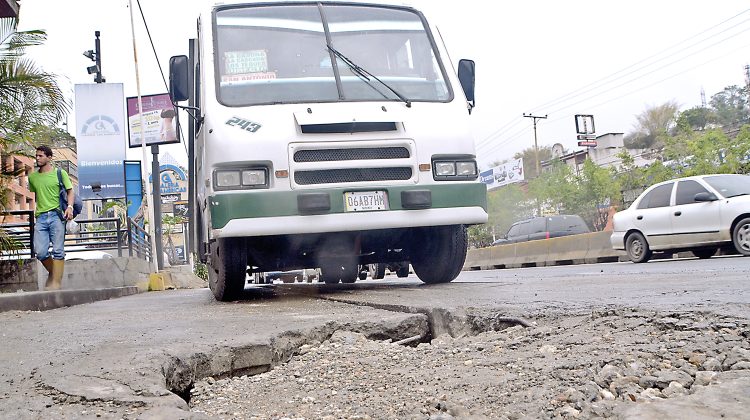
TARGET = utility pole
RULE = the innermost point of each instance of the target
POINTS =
(156, 254)
(536, 146)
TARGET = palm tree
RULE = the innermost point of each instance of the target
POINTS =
(29, 100)
(29, 97)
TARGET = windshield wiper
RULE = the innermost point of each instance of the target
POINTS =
(366, 74)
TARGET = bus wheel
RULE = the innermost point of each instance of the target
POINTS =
(403, 269)
(377, 271)
(362, 274)
(334, 272)
(226, 272)
(438, 253)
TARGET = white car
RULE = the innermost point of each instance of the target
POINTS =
(699, 213)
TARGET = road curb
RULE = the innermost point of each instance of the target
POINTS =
(42, 301)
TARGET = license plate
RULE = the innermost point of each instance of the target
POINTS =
(365, 201)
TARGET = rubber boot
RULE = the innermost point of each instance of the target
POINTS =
(47, 263)
(58, 267)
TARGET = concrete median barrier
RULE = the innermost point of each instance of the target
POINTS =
(479, 259)
(600, 249)
(576, 249)
(503, 256)
(532, 253)
(568, 250)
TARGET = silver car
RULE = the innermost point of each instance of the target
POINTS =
(699, 213)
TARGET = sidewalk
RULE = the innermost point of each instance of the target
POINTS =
(42, 301)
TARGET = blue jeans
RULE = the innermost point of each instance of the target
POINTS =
(49, 228)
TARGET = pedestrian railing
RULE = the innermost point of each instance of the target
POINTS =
(105, 234)
(18, 229)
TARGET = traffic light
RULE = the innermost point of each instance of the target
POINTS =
(95, 55)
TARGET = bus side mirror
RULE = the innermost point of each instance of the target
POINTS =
(178, 79)
(466, 77)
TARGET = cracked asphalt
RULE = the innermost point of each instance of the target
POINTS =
(144, 356)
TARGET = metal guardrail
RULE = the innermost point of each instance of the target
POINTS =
(105, 234)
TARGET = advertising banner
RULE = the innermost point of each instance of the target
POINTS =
(159, 120)
(100, 140)
(504, 174)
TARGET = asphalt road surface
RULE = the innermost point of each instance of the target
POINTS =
(606, 340)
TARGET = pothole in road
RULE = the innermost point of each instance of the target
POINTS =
(246, 361)
(602, 364)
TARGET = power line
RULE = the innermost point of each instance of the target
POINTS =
(158, 63)
(515, 135)
(649, 73)
(578, 91)
(599, 83)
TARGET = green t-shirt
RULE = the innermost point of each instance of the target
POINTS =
(47, 189)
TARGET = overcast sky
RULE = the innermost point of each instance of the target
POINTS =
(560, 58)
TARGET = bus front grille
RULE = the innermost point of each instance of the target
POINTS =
(360, 153)
(335, 176)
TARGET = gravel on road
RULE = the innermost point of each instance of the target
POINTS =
(607, 364)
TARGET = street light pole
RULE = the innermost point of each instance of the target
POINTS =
(536, 146)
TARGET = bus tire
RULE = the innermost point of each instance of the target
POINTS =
(439, 253)
(377, 271)
(333, 273)
(403, 269)
(226, 271)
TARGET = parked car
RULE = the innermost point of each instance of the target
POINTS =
(543, 228)
(699, 213)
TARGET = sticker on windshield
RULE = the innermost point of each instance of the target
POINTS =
(243, 62)
(243, 124)
(243, 66)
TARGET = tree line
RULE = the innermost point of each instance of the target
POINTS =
(708, 139)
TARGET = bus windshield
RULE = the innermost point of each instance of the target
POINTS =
(281, 54)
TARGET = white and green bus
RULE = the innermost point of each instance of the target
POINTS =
(330, 135)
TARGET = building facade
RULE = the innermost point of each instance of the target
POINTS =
(604, 154)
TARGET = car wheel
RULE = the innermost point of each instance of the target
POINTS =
(704, 253)
(227, 269)
(637, 248)
(741, 236)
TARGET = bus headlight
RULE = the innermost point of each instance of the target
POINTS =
(227, 179)
(456, 169)
(445, 168)
(466, 168)
(254, 177)
(241, 178)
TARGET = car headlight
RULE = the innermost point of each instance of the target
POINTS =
(445, 168)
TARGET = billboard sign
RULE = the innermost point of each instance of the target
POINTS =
(159, 120)
(504, 174)
(181, 209)
(100, 140)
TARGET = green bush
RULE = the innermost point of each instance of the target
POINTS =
(201, 270)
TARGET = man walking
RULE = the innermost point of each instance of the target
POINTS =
(50, 218)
